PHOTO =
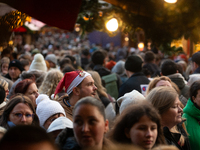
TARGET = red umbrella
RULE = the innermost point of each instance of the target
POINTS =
(58, 13)
(20, 29)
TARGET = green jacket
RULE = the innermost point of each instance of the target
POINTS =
(192, 116)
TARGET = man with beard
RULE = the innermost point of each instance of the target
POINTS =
(78, 84)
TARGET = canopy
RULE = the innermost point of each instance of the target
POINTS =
(58, 13)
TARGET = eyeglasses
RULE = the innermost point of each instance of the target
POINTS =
(19, 115)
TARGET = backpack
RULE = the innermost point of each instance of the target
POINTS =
(111, 84)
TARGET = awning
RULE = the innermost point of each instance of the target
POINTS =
(57, 13)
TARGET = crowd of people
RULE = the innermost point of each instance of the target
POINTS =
(88, 98)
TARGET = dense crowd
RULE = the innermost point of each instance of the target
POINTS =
(64, 94)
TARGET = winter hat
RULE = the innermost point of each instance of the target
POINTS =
(52, 58)
(119, 68)
(110, 64)
(47, 108)
(132, 97)
(71, 80)
(59, 124)
(133, 63)
(16, 63)
(38, 63)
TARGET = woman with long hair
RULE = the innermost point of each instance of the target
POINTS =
(19, 111)
(166, 101)
(139, 124)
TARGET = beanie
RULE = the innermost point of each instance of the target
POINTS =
(47, 108)
(110, 64)
(132, 97)
(60, 124)
(38, 63)
(71, 80)
(16, 63)
(52, 58)
(119, 68)
(133, 63)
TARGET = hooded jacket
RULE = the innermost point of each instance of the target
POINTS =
(192, 115)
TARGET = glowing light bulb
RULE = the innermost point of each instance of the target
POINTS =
(141, 46)
(126, 39)
(171, 1)
(112, 25)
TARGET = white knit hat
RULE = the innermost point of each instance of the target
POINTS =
(59, 124)
(52, 58)
(132, 97)
(47, 108)
(38, 63)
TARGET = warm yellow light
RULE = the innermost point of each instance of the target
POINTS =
(141, 46)
(171, 1)
(112, 25)
(126, 39)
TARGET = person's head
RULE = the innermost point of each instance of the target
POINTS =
(98, 83)
(140, 125)
(28, 88)
(64, 62)
(7, 52)
(78, 84)
(48, 110)
(168, 67)
(68, 68)
(58, 125)
(149, 57)
(128, 99)
(15, 69)
(51, 58)
(4, 65)
(25, 57)
(89, 123)
(38, 63)
(195, 93)
(5, 85)
(166, 101)
(50, 82)
(159, 81)
(195, 61)
(20, 111)
(27, 137)
(119, 68)
(25, 64)
(133, 63)
(98, 57)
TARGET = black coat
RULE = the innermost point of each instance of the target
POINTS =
(66, 140)
(133, 83)
(173, 138)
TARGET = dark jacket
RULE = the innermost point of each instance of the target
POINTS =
(133, 83)
(173, 138)
(66, 140)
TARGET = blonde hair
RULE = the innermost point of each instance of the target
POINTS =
(97, 81)
(3, 83)
(50, 82)
(153, 83)
(163, 98)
